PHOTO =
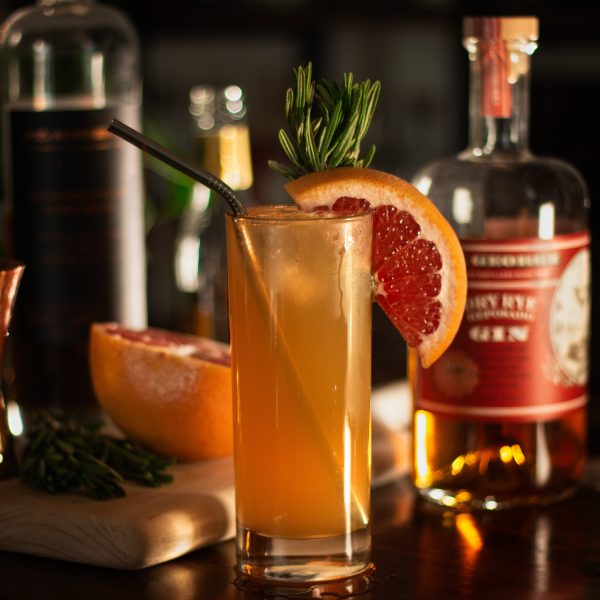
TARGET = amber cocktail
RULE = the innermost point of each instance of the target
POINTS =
(300, 318)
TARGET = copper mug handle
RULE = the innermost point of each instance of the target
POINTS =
(11, 272)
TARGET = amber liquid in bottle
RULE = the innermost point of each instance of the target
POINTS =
(500, 420)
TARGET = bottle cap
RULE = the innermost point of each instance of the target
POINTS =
(501, 28)
(212, 107)
(202, 106)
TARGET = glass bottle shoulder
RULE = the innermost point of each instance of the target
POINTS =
(472, 191)
(69, 55)
(48, 24)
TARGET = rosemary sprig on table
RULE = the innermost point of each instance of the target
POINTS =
(64, 454)
(333, 137)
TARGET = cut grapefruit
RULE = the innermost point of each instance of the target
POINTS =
(418, 266)
(170, 392)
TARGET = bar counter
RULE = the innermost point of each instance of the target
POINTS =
(420, 551)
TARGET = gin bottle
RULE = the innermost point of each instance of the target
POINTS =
(73, 192)
(500, 419)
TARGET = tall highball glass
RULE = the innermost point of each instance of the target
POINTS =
(300, 318)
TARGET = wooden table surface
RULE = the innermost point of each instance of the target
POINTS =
(420, 551)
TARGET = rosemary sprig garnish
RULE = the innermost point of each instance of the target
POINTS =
(64, 454)
(331, 138)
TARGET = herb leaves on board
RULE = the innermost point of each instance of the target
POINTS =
(65, 454)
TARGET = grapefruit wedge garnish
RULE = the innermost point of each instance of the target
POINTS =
(418, 266)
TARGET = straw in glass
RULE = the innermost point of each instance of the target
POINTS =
(181, 164)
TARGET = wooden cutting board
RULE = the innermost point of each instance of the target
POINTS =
(146, 527)
(152, 525)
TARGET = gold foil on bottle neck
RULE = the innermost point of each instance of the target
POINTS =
(226, 153)
(504, 28)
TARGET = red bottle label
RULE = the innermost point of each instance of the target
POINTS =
(521, 353)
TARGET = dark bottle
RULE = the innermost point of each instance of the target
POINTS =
(73, 191)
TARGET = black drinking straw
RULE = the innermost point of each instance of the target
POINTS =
(181, 164)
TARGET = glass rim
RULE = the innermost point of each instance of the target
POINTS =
(296, 215)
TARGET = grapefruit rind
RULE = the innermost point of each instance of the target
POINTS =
(325, 187)
(172, 402)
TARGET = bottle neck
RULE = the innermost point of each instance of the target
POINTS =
(499, 97)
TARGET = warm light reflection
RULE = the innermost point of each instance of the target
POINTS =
(471, 458)
(512, 453)
(462, 460)
(436, 495)
(546, 221)
(541, 555)
(463, 497)
(233, 93)
(347, 467)
(41, 76)
(469, 532)
(423, 423)
(490, 504)
(457, 464)
(187, 252)
(13, 416)
(506, 454)
(97, 70)
(543, 463)
(449, 501)
(424, 184)
(186, 263)
(462, 205)
(518, 454)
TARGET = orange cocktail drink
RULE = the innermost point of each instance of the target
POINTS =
(300, 318)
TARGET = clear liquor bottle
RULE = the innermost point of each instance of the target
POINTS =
(73, 192)
(222, 145)
(500, 419)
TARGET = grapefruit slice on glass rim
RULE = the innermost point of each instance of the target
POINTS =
(418, 267)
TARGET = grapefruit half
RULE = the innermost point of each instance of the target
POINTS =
(170, 392)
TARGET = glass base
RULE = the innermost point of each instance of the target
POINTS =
(465, 500)
(294, 560)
